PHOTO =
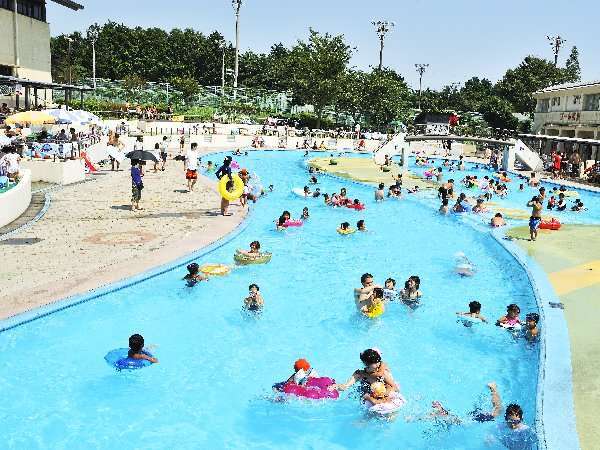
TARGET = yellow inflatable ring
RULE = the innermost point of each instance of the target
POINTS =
(570, 193)
(215, 269)
(375, 312)
(238, 188)
(348, 231)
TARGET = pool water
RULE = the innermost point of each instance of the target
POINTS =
(212, 387)
(517, 198)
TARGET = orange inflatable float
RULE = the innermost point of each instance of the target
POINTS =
(550, 224)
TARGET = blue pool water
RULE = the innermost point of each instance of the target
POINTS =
(518, 199)
(212, 387)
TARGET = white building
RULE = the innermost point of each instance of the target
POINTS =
(567, 118)
(25, 40)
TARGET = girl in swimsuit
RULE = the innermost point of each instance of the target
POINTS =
(411, 294)
(511, 319)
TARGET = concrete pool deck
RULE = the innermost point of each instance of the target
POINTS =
(89, 238)
(571, 259)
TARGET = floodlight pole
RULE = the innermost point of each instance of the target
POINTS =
(237, 5)
(382, 27)
(556, 43)
(421, 69)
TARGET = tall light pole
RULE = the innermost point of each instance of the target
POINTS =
(556, 43)
(223, 46)
(382, 27)
(237, 5)
(70, 40)
(421, 69)
(93, 33)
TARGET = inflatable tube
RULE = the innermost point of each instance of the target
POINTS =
(293, 223)
(300, 193)
(550, 224)
(118, 359)
(375, 312)
(243, 259)
(469, 321)
(348, 231)
(500, 177)
(396, 402)
(238, 188)
(570, 193)
(515, 327)
(358, 207)
(215, 269)
(234, 165)
(428, 174)
(315, 388)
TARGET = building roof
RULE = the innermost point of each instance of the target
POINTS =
(561, 138)
(69, 4)
(12, 81)
(565, 86)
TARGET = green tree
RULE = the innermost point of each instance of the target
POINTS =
(316, 69)
(187, 86)
(474, 92)
(133, 85)
(533, 74)
(497, 113)
(388, 97)
(353, 95)
(572, 68)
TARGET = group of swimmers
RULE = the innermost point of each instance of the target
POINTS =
(370, 298)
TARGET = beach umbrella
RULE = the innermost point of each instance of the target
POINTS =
(5, 141)
(141, 155)
(30, 117)
(61, 115)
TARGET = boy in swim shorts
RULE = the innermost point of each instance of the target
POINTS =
(536, 216)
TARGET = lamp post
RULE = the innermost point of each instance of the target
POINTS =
(237, 5)
(223, 46)
(93, 33)
(382, 27)
(421, 69)
(556, 43)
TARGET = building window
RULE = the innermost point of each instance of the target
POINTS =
(591, 102)
(556, 101)
(36, 9)
(577, 99)
(543, 105)
(6, 4)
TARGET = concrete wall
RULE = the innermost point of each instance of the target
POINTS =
(15, 201)
(34, 46)
(59, 172)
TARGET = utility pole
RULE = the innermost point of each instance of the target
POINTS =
(223, 46)
(70, 40)
(93, 33)
(556, 43)
(382, 27)
(421, 69)
(237, 5)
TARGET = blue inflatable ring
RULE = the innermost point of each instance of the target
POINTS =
(118, 359)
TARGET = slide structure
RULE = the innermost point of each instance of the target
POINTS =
(530, 159)
(88, 163)
(391, 148)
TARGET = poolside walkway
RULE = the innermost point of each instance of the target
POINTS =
(571, 258)
(89, 237)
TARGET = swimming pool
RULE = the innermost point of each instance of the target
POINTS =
(518, 198)
(213, 384)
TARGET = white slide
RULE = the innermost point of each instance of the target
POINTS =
(530, 159)
(391, 148)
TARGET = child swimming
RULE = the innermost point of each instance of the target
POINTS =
(474, 312)
(389, 291)
(344, 228)
(254, 249)
(374, 306)
(302, 373)
(360, 225)
(531, 322)
(254, 301)
(136, 349)
(304, 214)
(511, 319)
(194, 275)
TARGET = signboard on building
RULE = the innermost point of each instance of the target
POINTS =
(438, 129)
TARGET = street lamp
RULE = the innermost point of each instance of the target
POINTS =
(223, 46)
(382, 27)
(421, 69)
(93, 33)
(237, 4)
(556, 43)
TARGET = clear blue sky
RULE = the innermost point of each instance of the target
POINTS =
(459, 39)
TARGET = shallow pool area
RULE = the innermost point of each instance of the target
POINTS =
(212, 387)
